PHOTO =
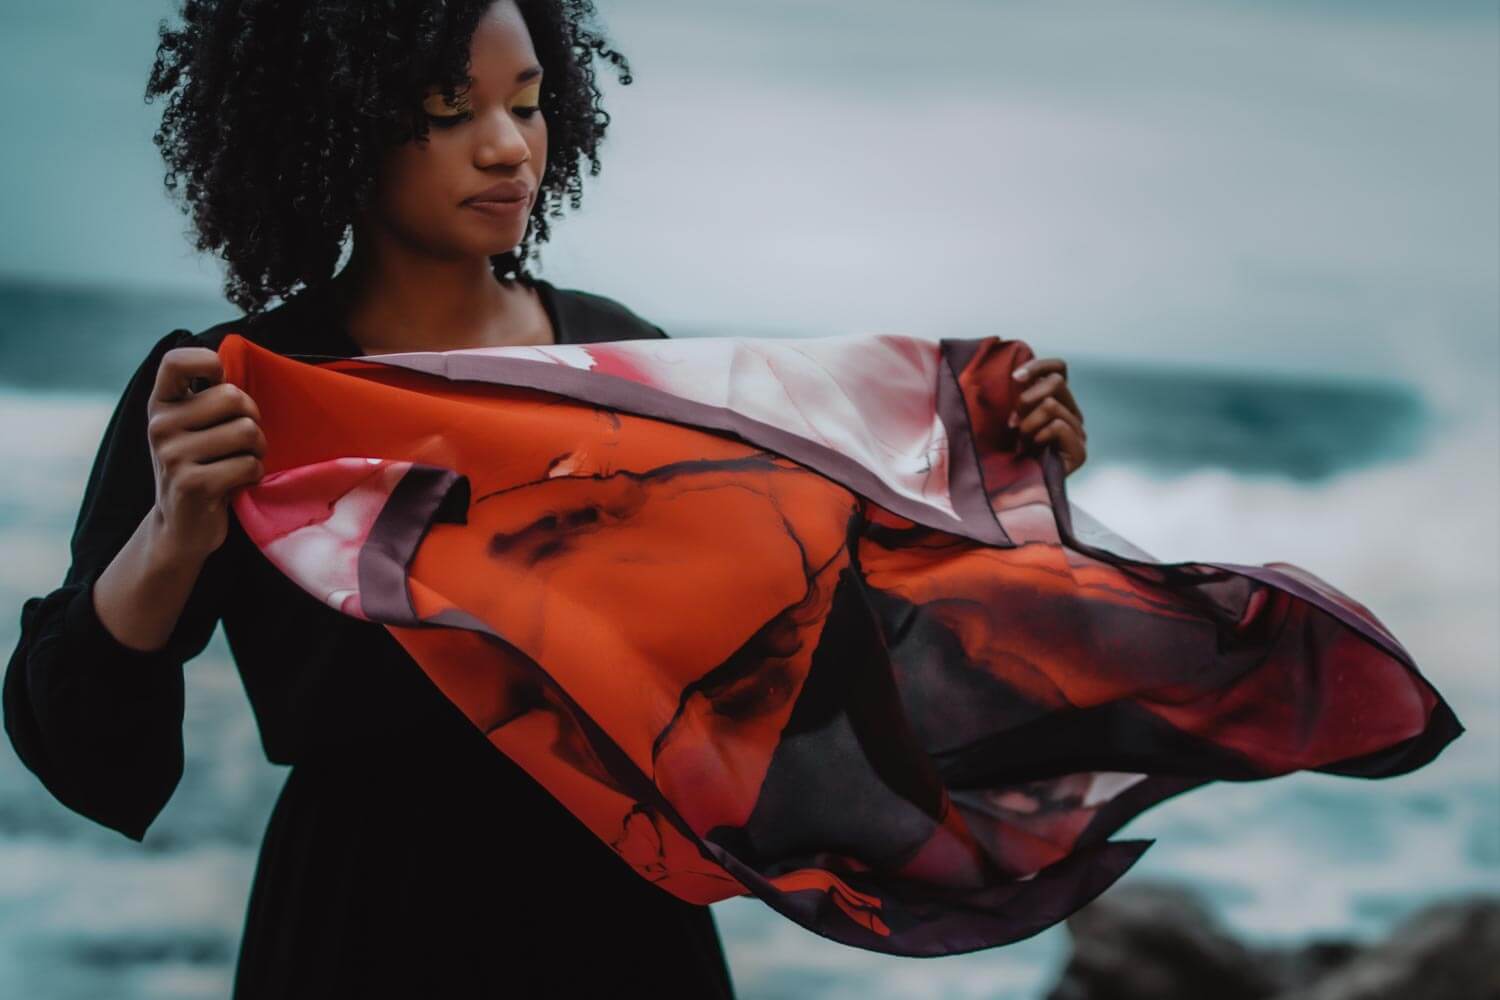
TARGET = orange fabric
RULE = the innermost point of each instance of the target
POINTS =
(747, 677)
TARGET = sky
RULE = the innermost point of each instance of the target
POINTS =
(1284, 185)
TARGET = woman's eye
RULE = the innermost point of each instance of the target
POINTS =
(446, 121)
(440, 111)
(527, 101)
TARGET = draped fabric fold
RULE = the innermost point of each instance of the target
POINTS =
(798, 619)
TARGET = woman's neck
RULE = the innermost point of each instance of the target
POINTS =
(437, 309)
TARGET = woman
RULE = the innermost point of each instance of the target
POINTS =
(439, 136)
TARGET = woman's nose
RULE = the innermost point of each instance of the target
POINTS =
(499, 140)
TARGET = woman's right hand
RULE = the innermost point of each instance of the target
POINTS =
(203, 445)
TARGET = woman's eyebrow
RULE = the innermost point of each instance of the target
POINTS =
(527, 74)
(521, 77)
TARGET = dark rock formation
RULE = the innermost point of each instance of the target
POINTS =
(1159, 941)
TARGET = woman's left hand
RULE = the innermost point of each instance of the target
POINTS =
(1046, 411)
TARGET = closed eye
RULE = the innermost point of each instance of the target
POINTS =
(448, 121)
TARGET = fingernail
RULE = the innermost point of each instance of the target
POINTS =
(1011, 420)
(1020, 372)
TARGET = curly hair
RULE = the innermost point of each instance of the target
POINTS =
(280, 110)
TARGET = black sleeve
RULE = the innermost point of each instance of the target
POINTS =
(98, 722)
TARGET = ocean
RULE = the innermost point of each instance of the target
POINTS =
(1386, 488)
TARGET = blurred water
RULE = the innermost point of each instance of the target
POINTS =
(1386, 489)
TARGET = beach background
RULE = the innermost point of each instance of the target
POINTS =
(1265, 236)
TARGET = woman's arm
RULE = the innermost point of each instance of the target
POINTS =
(93, 694)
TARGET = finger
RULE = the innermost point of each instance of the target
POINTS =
(219, 402)
(234, 437)
(1039, 366)
(1053, 384)
(209, 408)
(1047, 411)
(221, 478)
(1058, 431)
(1065, 437)
(179, 367)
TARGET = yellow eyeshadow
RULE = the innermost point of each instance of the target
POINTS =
(434, 104)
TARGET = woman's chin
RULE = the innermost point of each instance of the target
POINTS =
(495, 247)
(486, 248)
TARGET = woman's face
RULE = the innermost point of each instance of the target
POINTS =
(493, 133)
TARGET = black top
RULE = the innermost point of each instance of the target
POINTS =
(405, 850)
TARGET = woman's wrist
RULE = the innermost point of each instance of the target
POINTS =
(142, 592)
(166, 552)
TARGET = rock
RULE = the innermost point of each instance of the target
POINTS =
(1159, 941)
(1156, 941)
(1307, 963)
(1446, 951)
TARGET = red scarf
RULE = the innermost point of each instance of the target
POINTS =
(798, 619)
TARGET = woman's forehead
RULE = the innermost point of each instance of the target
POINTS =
(501, 53)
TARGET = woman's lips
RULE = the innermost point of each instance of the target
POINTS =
(500, 209)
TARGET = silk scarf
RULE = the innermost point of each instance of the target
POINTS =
(801, 619)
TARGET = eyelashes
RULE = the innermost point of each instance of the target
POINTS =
(527, 111)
